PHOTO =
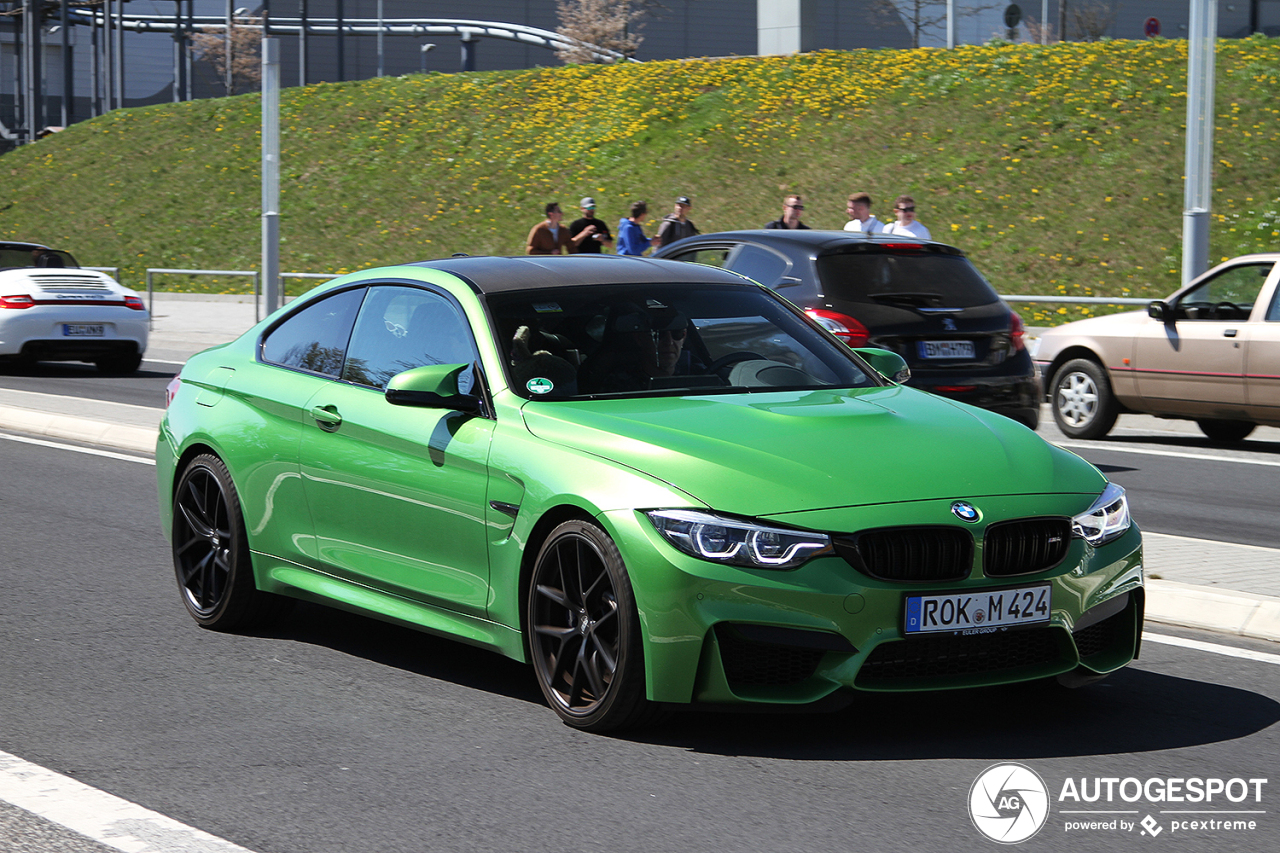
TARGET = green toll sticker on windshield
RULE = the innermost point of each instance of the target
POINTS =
(540, 386)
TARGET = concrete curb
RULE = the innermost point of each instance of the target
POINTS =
(87, 430)
(1191, 606)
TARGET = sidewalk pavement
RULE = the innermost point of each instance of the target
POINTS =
(1191, 583)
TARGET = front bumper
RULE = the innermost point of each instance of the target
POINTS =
(719, 634)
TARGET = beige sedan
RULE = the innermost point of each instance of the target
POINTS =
(1209, 353)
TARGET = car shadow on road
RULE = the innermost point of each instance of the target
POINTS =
(406, 649)
(1132, 711)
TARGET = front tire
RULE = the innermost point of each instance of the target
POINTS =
(1226, 431)
(583, 631)
(211, 551)
(1083, 405)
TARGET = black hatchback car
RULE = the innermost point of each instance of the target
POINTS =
(923, 300)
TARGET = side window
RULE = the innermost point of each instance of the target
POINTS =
(1273, 313)
(760, 264)
(1229, 295)
(400, 328)
(315, 338)
(715, 256)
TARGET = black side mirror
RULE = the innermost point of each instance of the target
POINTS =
(1161, 311)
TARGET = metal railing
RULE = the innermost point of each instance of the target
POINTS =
(1080, 300)
(254, 274)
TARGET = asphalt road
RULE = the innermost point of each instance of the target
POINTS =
(74, 379)
(337, 734)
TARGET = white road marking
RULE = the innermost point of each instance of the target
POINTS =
(95, 814)
(1088, 445)
(92, 451)
(1214, 648)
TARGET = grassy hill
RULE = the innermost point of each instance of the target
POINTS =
(1059, 168)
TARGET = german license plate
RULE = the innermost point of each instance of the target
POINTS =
(978, 612)
(945, 349)
(83, 330)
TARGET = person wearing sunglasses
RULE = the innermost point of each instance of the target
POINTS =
(906, 225)
(792, 210)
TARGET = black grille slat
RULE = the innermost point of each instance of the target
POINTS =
(950, 656)
(1102, 636)
(923, 554)
(1025, 546)
(753, 664)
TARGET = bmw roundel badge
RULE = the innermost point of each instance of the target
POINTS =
(965, 511)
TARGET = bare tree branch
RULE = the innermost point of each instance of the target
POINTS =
(210, 45)
(612, 24)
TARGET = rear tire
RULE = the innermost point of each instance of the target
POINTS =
(1226, 431)
(119, 364)
(211, 551)
(1083, 405)
(583, 631)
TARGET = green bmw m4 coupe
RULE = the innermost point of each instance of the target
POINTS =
(658, 483)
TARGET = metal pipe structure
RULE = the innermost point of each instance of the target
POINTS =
(108, 22)
(68, 69)
(1198, 190)
(271, 171)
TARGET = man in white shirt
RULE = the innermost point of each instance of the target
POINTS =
(860, 217)
(907, 226)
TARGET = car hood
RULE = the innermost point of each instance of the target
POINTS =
(1109, 325)
(765, 453)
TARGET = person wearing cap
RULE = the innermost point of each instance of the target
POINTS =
(676, 225)
(860, 216)
(792, 210)
(587, 235)
(907, 225)
(549, 236)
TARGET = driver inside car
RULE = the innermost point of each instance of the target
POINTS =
(639, 345)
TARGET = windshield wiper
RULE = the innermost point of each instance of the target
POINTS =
(925, 303)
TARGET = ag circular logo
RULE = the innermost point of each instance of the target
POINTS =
(1008, 803)
(965, 511)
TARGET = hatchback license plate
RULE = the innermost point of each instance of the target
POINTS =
(945, 349)
(978, 612)
(83, 330)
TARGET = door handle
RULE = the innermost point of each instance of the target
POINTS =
(1230, 333)
(327, 417)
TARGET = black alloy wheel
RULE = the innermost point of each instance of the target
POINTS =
(584, 632)
(211, 550)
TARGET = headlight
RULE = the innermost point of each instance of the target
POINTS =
(1105, 520)
(737, 542)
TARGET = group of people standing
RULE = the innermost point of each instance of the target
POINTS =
(589, 235)
(858, 207)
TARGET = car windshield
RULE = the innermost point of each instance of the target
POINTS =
(918, 275)
(39, 257)
(670, 339)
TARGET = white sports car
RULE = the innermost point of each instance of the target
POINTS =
(53, 310)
